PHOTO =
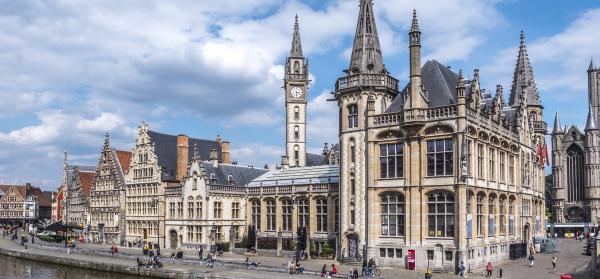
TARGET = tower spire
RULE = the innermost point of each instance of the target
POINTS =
(296, 50)
(591, 120)
(592, 66)
(415, 23)
(366, 51)
(557, 128)
(523, 85)
(415, 98)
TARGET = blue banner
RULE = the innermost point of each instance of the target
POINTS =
(469, 226)
(492, 226)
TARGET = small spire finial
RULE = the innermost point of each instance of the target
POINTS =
(591, 120)
(296, 50)
(415, 22)
(592, 66)
(522, 37)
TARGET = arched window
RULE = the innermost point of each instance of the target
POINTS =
(480, 198)
(256, 214)
(337, 215)
(296, 132)
(575, 174)
(270, 215)
(303, 217)
(296, 67)
(287, 207)
(511, 216)
(392, 214)
(441, 214)
(321, 205)
(491, 215)
(296, 112)
(199, 207)
(190, 208)
(502, 212)
(353, 116)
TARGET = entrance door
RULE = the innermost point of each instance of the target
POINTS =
(527, 237)
(173, 240)
(352, 246)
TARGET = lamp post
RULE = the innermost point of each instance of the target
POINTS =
(213, 236)
(156, 201)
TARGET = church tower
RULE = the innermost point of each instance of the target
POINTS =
(296, 91)
(594, 88)
(366, 89)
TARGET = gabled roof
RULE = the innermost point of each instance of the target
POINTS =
(21, 189)
(299, 176)
(124, 158)
(242, 175)
(86, 178)
(165, 147)
(42, 198)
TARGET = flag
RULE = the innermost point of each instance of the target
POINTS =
(546, 154)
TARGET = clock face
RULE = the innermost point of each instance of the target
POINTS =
(296, 92)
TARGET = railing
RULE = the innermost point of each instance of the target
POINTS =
(437, 113)
(540, 126)
(288, 190)
(296, 76)
(227, 189)
(387, 119)
(367, 80)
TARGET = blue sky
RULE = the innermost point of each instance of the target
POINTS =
(71, 70)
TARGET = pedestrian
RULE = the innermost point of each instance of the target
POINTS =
(461, 269)
(553, 263)
(355, 273)
(333, 270)
(173, 257)
(350, 274)
(531, 260)
(324, 270)
(489, 269)
(290, 267)
(363, 271)
(200, 252)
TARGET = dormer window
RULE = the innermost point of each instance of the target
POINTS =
(213, 178)
(230, 179)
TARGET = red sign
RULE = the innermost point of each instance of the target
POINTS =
(411, 259)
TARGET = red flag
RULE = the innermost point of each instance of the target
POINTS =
(540, 154)
(546, 154)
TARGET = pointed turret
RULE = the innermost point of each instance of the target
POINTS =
(296, 50)
(106, 140)
(592, 66)
(415, 96)
(591, 120)
(523, 85)
(366, 52)
(557, 128)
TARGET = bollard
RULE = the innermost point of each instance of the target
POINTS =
(501, 273)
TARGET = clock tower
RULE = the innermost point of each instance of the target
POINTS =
(296, 90)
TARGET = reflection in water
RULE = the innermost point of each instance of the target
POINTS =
(12, 268)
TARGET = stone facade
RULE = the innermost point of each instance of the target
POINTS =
(107, 197)
(576, 163)
(23, 203)
(442, 166)
(282, 201)
(77, 199)
(208, 207)
(159, 161)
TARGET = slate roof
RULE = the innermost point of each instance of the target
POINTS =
(316, 160)
(165, 147)
(438, 81)
(299, 176)
(242, 175)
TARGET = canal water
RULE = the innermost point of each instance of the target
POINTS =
(15, 268)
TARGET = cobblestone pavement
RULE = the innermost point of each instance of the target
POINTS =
(570, 261)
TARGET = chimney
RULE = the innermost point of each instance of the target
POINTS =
(225, 152)
(285, 162)
(214, 159)
(182, 156)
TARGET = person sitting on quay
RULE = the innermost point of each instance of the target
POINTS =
(249, 263)
(333, 270)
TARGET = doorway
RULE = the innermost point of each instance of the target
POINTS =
(174, 239)
(352, 246)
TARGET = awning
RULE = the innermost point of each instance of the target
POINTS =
(572, 225)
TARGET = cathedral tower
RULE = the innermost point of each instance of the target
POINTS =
(296, 91)
(366, 89)
(594, 88)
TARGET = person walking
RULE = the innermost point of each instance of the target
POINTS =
(553, 263)
(489, 269)
(531, 260)
(461, 269)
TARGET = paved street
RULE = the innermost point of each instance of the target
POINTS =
(570, 261)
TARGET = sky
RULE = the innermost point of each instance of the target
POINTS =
(72, 70)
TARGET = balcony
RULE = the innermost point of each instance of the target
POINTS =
(366, 80)
(388, 119)
(540, 127)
